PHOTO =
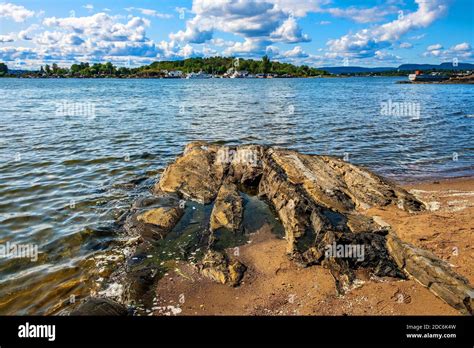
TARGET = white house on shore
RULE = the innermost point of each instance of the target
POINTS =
(175, 73)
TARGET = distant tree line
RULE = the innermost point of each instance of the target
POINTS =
(220, 65)
(212, 65)
(3, 69)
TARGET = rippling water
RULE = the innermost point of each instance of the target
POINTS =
(63, 178)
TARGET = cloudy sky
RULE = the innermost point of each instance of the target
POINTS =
(313, 32)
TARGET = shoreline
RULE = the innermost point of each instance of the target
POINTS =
(447, 82)
(429, 180)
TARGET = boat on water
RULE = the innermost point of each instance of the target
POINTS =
(418, 76)
(199, 75)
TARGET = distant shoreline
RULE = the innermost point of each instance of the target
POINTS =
(447, 82)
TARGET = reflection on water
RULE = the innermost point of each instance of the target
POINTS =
(65, 179)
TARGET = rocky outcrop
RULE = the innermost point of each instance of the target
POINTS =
(316, 194)
(433, 273)
(218, 267)
(196, 175)
(321, 202)
(228, 211)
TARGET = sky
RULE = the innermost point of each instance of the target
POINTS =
(313, 32)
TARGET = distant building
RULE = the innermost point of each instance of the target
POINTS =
(434, 76)
(175, 73)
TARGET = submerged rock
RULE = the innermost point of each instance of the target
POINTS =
(100, 307)
(153, 218)
(164, 217)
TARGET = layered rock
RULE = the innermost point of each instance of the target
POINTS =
(320, 201)
(433, 273)
(196, 175)
(228, 209)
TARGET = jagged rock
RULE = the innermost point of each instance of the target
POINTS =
(433, 273)
(217, 266)
(196, 175)
(316, 194)
(100, 307)
(228, 211)
(164, 217)
(320, 201)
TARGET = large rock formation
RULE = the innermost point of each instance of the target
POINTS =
(320, 201)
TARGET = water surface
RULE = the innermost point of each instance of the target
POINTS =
(64, 177)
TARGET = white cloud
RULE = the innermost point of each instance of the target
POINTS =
(149, 12)
(11, 53)
(299, 8)
(296, 52)
(102, 26)
(91, 38)
(417, 37)
(461, 51)
(253, 20)
(196, 32)
(387, 57)
(16, 12)
(247, 47)
(405, 45)
(7, 38)
(289, 32)
(462, 47)
(366, 42)
(26, 34)
(89, 7)
(434, 47)
(360, 15)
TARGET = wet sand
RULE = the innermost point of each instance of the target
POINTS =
(275, 286)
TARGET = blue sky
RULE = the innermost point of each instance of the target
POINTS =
(313, 32)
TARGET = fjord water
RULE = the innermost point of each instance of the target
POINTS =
(65, 177)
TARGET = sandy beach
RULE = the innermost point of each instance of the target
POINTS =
(275, 286)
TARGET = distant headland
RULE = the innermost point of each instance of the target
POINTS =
(227, 67)
(220, 67)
